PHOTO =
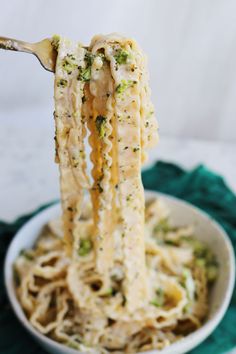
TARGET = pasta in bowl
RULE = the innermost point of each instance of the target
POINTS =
(183, 301)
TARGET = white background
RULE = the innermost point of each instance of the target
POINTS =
(191, 45)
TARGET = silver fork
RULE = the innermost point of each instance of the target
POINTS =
(43, 50)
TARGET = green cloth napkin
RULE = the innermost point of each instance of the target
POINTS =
(200, 187)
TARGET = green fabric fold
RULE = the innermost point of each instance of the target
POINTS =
(200, 187)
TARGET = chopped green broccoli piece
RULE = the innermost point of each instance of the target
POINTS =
(73, 345)
(85, 247)
(205, 258)
(69, 64)
(89, 58)
(162, 226)
(108, 292)
(55, 41)
(101, 126)
(212, 273)
(121, 56)
(199, 248)
(85, 74)
(159, 300)
(124, 85)
(26, 254)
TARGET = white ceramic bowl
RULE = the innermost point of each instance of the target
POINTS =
(207, 230)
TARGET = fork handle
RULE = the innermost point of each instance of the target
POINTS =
(16, 45)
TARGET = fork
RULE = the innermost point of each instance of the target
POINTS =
(43, 50)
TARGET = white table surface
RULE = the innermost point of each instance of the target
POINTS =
(29, 176)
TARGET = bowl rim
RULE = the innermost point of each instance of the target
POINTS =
(184, 344)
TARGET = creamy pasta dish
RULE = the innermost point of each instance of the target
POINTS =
(113, 274)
